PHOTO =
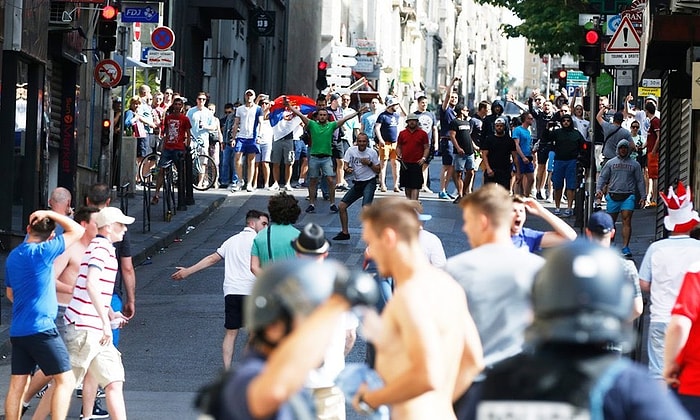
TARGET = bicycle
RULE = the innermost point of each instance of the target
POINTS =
(201, 163)
(168, 190)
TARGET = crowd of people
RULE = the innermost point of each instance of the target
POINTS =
(483, 334)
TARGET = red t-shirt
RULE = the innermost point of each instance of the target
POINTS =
(413, 144)
(176, 126)
(688, 305)
(653, 133)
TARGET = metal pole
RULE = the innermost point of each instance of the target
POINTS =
(591, 175)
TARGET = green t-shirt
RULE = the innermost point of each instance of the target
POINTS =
(281, 237)
(321, 137)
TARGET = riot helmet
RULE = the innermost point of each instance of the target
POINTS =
(581, 296)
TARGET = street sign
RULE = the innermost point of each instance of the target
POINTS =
(364, 64)
(158, 58)
(145, 14)
(144, 53)
(625, 39)
(108, 73)
(624, 77)
(643, 92)
(338, 71)
(263, 23)
(338, 81)
(162, 38)
(651, 83)
(343, 50)
(621, 59)
(339, 60)
(137, 31)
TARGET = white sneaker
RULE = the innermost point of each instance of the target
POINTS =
(273, 187)
(288, 187)
(249, 188)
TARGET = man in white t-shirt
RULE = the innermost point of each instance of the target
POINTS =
(663, 267)
(246, 124)
(203, 122)
(238, 279)
(363, 163)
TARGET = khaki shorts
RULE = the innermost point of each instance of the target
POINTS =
(104, 362)
(388, 151)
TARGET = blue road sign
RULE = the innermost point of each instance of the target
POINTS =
(140, 14)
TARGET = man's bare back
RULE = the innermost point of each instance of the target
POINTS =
(428, 343)
(66, 268)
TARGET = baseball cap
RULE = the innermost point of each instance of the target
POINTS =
(619, 116)
(652, 98)
(335, 97)
(391, 101)
(500, 120)
(601, 223)
(412, 116)
(109, 215)
(251, 91)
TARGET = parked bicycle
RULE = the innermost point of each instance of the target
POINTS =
(202, 164)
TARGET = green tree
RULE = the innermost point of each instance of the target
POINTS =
(550, 26)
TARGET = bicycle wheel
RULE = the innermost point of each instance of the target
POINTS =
(144, 170)
(168, 195)
(208, 168)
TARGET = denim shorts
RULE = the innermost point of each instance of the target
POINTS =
(463, 162)
(361, 189)
(446, 151)
(655, 348)
(246, 146)
(320, 166)
(173, 156)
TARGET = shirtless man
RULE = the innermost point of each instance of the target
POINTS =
(66, 268)
(428, 349)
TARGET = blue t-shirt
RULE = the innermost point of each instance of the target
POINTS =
(29, 273)
(524, 139)
(389, 126)
(528, 238)
(368, 121)
(235, 401)
(446, 117)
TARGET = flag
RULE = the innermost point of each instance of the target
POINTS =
(306, 105)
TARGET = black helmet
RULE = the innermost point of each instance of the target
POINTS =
(581, 296)
(289, 288)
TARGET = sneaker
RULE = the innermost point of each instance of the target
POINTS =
(249, 188)
(456, 200)
(79, 392)
(539, 196)
(334, 208)
(550, 200)
(97, 412)
(42, 391)
(288, 187)
(235, 188)
(626, 252)
(650, 205)
(223, 186)
(326, 197)
(426, 190)
(273, 187)
(556, 212)
(397, 189)
(443, 195)
(382, 189)
(342, 237)
(311, 209)
(568, 213)
(341, 187)
(24, 409)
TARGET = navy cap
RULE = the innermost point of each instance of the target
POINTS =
(619, 116)
(601, 223)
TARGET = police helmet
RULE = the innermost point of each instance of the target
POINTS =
(581, 296)
(290, 288)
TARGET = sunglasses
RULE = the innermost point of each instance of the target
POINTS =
(634, 126)
(201, 99)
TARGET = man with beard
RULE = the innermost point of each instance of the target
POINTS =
(499, 154)
(412, 150)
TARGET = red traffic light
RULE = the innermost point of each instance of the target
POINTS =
(562, 74)
(106, 123)
(109, 13)
(592, 37)
(322, 65)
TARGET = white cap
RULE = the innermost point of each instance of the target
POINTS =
(109, 215)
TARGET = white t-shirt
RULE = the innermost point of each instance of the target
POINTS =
(664, 265)
(264, 132)
(432, 246)
(199, 118)
(246, 124)
(238, 279)
(361, 172)
(582, 126)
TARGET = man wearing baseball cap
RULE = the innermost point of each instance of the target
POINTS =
(612, 134)
(89, 316)
(246, 124)
(412, 151)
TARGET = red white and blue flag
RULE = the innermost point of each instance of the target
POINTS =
(283, 121)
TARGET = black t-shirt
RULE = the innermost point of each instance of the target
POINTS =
(462, 131)
(122, 250)
(499, 149)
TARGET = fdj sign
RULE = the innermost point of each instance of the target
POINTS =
(262, 23)
(140, 14)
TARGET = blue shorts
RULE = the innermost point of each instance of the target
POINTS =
(320, 166)
(564, 170)
(170, 156)
(617, 206)
(361, 189)
(446, 151)
(301, 150)
(463, 162)
(265, 154)
(45, 349)
(550, 161)
(246, 146)
(526, 168)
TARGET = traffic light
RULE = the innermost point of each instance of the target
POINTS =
(561, 76)
(321, 68)
(107, 29)
(106, 131)
(589, 62)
